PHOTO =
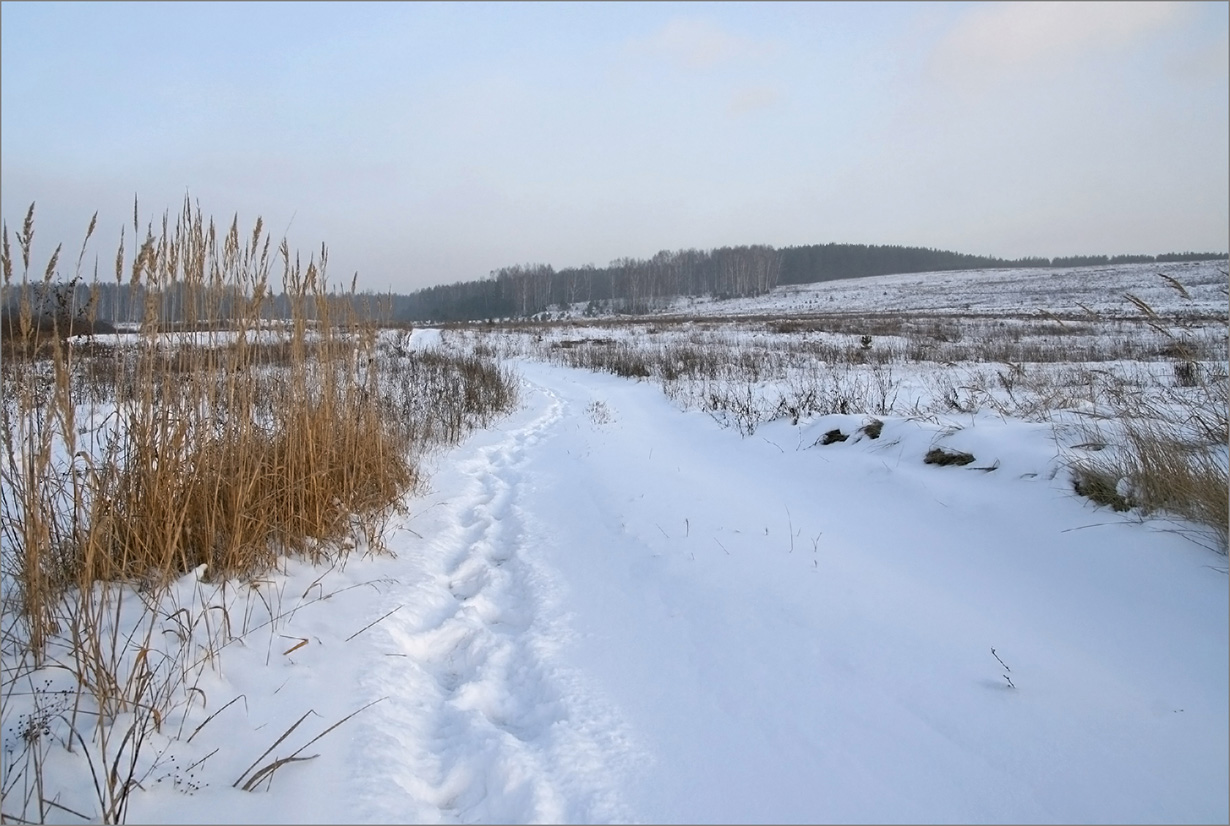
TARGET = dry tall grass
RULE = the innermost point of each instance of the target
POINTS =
(219, 449)
(214, 449)
(1167, 452)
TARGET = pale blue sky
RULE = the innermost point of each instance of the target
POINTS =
(427, 143)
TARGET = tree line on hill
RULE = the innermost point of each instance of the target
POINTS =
(626, 285)
(636, 286)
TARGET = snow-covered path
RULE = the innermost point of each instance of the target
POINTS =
(608, 610)
(481, 721)
(803, 635)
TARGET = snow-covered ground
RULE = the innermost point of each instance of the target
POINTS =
(609, 610)
(606, 609)
(1058, 290)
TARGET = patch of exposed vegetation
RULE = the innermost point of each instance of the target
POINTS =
(946, 456)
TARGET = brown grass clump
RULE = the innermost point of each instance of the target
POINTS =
(1170, 449)
(238, 501)
(1099, 486)
(1163, 470)
(944, 456)
(1169, 475)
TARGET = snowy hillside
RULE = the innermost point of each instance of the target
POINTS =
(1067, 290)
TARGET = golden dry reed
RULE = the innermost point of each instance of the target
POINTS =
(226, 410)
(227, 439)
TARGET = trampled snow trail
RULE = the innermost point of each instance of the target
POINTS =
(478, 722)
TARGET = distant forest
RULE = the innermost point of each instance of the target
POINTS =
(627, 285)
(635, 286)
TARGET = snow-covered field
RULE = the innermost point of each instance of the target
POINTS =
(1061, 290)
(610, 607)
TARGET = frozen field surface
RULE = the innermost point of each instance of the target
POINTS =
(606, 608)
(609, 610)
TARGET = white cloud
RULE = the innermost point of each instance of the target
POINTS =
(991, 41)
